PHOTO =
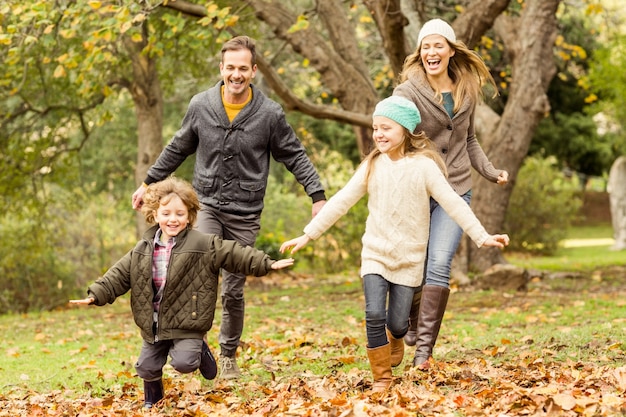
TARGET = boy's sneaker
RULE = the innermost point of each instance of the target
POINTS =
(229, 368)
(208, 366)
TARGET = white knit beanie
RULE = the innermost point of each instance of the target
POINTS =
(436, 27)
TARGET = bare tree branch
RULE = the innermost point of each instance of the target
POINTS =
(186, 7)
(292, 102)
(341, 36)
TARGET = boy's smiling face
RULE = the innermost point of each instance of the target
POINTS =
(172, 216)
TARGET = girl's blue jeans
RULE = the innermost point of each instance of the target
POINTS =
(380, 314)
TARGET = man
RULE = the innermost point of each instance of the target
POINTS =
(233, 128)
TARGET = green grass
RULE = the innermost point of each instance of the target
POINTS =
(315, 324)
(600, 230)
(571, 259)
(82, 349)
(575, 258)
(579, 321)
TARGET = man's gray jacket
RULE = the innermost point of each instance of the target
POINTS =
(233, 159)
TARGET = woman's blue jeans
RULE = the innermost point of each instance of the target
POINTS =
(380, 315)
(444, 239)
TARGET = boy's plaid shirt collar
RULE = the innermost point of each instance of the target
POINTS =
(160, 262)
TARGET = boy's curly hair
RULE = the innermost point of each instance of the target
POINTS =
(161, 192)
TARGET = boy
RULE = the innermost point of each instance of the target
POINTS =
(172, 273)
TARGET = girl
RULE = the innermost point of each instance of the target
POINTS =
(172, 274)
(399, 176)
(444, 79)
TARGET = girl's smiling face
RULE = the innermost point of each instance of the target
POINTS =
(172, 216)
(388, 136)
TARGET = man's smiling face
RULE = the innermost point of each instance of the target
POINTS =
(237, 72)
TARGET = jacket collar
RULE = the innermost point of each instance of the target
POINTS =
(426, 91)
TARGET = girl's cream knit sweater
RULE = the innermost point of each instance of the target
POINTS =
(397, 227)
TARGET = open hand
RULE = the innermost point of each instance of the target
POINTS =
(137, 198)
(295, 244)
(317, 207)
(282, 263)
(85, 301)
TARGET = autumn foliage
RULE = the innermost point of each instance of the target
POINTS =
(529, 387)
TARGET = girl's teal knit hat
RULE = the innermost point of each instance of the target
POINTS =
(400, 110)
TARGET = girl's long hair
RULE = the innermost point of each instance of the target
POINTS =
(413, 144)
(467, 70)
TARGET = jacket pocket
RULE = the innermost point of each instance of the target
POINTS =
(252, 190)
(204, 186)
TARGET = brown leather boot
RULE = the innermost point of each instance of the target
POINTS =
(380, 362)
(396, 348)
(432, 308)
(410, 338)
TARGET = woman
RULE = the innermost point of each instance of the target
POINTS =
(444, 79)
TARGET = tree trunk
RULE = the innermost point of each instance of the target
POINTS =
(145, 90)
(389, 19)
(528, 40)
(477, 19)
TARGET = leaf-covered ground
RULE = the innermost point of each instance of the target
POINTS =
(534, 381)
(527, 388)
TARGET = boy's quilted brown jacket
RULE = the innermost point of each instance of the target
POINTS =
(190, 293)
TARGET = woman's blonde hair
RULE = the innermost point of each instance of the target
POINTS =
(162, 192)
(412, 144)
(466, 69)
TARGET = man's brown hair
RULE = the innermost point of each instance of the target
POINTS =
(238, 43)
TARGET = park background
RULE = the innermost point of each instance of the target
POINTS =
(91, 91)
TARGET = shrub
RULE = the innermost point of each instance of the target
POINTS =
(287, 210)
(59, 247)
(543, 205)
